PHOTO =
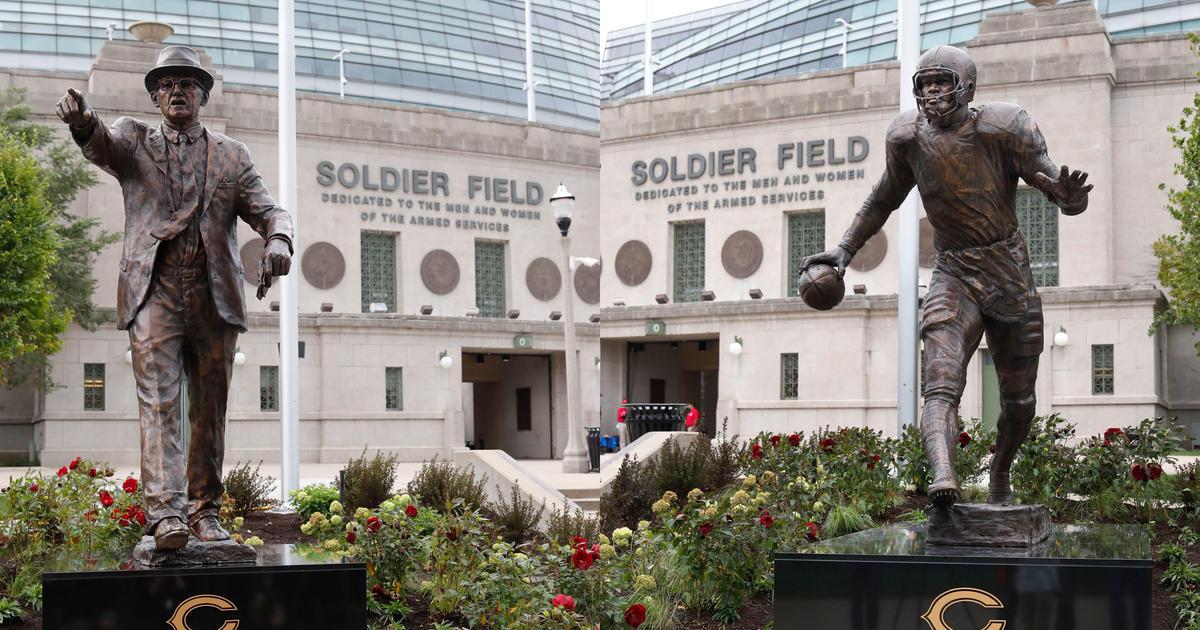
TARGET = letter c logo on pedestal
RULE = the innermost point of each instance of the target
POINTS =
(937, 609)
(178, 619)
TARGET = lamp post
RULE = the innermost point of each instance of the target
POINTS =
(575, 456)
(341, 59)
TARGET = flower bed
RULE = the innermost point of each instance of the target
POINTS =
(693, 559)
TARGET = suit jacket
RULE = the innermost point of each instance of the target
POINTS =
(136, 154)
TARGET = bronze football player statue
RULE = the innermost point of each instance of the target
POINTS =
(180, 291)
(965, 162)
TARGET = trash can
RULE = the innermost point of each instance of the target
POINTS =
(644, 417)
(593, 445)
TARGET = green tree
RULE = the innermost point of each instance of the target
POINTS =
(1179, 254)
(63, 173)
(28, 322)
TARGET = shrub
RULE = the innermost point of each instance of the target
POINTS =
(565, 525)
(438, 484)
(726, 462)
(516, 519)
(366, 483)
(78, 511)
(629, 496)
(679, 469)
(248, 490)
(312, 498)
(1045, 469)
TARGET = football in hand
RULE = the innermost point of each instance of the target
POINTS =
(822, 287)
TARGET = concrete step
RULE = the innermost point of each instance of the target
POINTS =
(591, 505)
(580, 493)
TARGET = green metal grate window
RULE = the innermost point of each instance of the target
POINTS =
(378, 271)
(1102, 369)
(268, 388)
(789, 376)
(394, 388)
(489, 278)
(93, 387)
(806, 236)
(1037, 219)
(689, 261)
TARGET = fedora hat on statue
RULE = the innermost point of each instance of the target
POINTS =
(178, 61)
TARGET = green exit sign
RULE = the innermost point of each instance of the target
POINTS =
(656, 327)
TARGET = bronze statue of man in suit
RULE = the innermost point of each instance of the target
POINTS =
(966, 162)
(180, 292)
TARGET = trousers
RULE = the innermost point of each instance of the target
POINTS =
(176, 332)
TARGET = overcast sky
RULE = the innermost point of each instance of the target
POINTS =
(615, 14)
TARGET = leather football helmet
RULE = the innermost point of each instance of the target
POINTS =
(951, 60)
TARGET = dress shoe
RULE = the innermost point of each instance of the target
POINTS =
(170, 533)
(208, 529)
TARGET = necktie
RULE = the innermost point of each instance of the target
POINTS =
(183, 189)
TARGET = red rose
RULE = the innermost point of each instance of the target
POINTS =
(1191, 476)
(105, 498)
(350, 537)
(452, 534)
(774, 440)
(140, 516)
(870, 464)
(75, 463)
(1139, 472)
(582, 559)
(578, 542)
(992, 448)
(566, 601)
(33, 488)
(706, 528)
(382, 595)
(130, 486)
(766, 519)
(108, 472)
(62, 471)
(756, 452)
(1153, 470)
(635, 615)
(411, 510)
(827, 445)
(373, 524)
(810, 530)
(794, 439)
(964, 439)
(91, 472)
(1110, 434)
(90, 516)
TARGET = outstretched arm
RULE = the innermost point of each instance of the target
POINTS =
(104, 147)
(1068, 190)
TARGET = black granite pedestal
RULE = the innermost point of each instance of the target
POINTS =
(1082, 577)
(286, 587)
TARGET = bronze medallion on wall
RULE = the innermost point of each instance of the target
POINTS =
(323, 265)
(543, 279)
(633, 263)
(587, 283)
(251, 255)
(439, 271)
(871, 254)
(926, 252)
(742, 254)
